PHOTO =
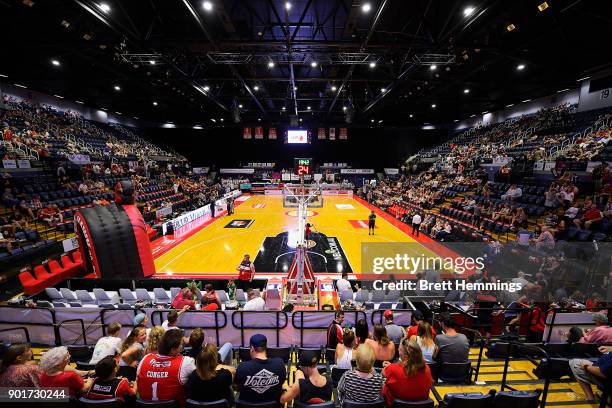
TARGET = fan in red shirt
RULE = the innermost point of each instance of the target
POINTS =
(184, 298)
(106, 385)
(54, 363)
(410, 378)
(417, 317)
(160, 377)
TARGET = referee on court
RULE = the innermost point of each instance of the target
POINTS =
(371, 223)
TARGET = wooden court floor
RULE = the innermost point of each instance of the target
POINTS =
(217, 249)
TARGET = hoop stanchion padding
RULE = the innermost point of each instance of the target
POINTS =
(113, 242)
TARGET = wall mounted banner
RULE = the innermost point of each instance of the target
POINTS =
(343, 133)
(79, 158)
(246, 133)
(272, 134)
(332, 133)
(321, 133)
(237, 171)
(9, 164)
(200, 170)
(391, 172)
(258, 132)
(356, 171)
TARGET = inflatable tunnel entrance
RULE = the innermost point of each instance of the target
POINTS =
(113, 242)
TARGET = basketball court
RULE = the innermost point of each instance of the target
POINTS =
(263, 228)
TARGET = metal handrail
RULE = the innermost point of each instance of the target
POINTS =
(60, 324)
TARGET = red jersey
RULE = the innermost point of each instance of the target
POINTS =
(159, 378)
(116, 388)
(66, 379)
(399, 386)
(246, 271)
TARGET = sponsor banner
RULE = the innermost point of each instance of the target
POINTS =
(258, 132)
(343, 133)
(190, 217)
(79, 158)
(162, 212)
(245, 186)
(332, 133)
(9, 164)
(347, 193)
(321, 133)
(391, 172)
(356, 171)
(261, 165)
(318, 177)
(70, 244)
(345, 206)
(272, 134)
(240, 224)
(23, 164)
(246, 133)
(285, 177)
(273, 191)
(237, 171)
(200, 170)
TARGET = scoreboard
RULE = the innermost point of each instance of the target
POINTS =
(302, 166)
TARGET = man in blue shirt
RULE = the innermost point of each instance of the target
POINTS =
(588, 373)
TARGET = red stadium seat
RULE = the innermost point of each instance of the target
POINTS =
(30, 284)
(76, 256)
(57, 270)
(74, 269)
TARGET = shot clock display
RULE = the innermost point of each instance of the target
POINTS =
(302, 166)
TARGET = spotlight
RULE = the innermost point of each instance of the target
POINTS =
(256, 88)
(383, 90)
(433, 106)
(259, 119)
(344, 108)
(152, 62)
(206, 88)
(511, 27)
(433, 67)
(271, 64)
(520, 67)
(55, 62)
(81, 102)
(333, 88)
(240, 106)
(287, 6)
(411, 115)
(313, 64)
(155, 103)
(468, 11)
(59, 96)
(295, 88)
(104, 7)
(543, 6)
(373, 64)
(207, 5)
(308, 108)
(117, 88)
(372, 120)
(300, 119)
(284, 108)
(366, 7)
(466, 91)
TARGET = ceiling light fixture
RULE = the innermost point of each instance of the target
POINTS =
(82, 103)
(104, 7)
(59, 96)
(271, 64)
(259, 119)
(472, 116)
(543, 6)
(206, 88)
(240, 106)
(466, 91)
(287, 6)
(373, 64)
(383, 90)
(583, 79)
(152, 62)
(366, 7)
(117, 88)
(295, 88)
(118, 113)
(520, 67)
(308, 108)
(20, 86)
(3, 76)
(197, 127)
(527, 100)
(344, 108)
(214, 120)
(313, 64)
(509, 105)
(55, 62)
(284, 108)
(563, 90)
(433, 106)
(433, 67)
(207, 5)
(468, 11)
(411, 115)
(372, 120)
(154, 103)
(333, 88)
(510, 27)
(256, 88)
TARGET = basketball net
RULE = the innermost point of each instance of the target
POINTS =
(300, 279)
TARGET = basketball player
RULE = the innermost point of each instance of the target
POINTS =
(371, 223)
(307, 231)
(246, 270)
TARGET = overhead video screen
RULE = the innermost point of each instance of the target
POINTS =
(297, 136)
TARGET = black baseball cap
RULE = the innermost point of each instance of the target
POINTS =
(259, 340)
(308, 358)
